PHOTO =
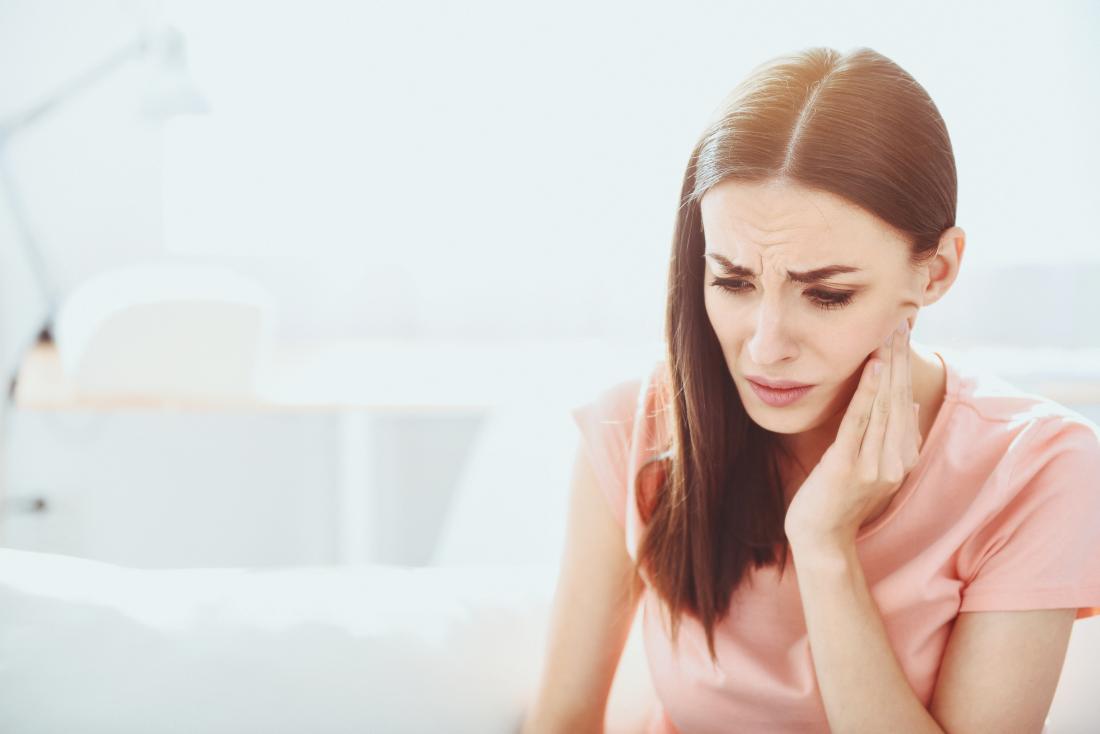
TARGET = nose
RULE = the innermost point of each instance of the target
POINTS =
(770, 341)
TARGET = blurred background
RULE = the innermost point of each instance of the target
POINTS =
(322, 279)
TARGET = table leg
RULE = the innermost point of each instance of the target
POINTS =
(355, 517)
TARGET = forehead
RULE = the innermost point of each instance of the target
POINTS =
(750, 219)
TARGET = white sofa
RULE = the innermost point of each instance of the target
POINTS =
(93, 647)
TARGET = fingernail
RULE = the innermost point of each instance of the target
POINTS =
(903, 327)
(890, 339)
(876, 367)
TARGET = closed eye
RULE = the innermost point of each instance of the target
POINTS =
(822, 298)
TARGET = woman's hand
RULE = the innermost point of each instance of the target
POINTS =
(875, 448)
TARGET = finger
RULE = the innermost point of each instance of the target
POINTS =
(916, 422)
(915, 443)
(871, 448)
(854, 422)
(909, 363)
(896, 444)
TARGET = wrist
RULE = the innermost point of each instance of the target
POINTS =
(828, 548)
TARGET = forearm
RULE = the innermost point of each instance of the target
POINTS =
(863, 686)
(546, 724)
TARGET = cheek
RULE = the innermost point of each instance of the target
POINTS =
(708, 305)
(862, 334)
(875, 336)
(718, 313)
(846, 352)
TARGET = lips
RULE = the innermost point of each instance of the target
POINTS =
(779, 398)
(776, 384)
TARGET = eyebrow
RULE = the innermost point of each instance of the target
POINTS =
(816, 275)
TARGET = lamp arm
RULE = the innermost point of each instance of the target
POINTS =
(24, 119)
(105, 67)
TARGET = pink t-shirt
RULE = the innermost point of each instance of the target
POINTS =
(1001, 512)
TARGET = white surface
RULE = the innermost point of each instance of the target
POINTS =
(416, 373)
(96, 648)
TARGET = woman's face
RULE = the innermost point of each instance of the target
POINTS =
(820, 332)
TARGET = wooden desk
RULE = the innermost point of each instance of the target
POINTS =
(358, 380)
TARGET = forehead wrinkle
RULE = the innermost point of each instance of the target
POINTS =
(770, 211)
(812, 275)
(764, 238)
(741, 233)
(801, 231)
(777, 256)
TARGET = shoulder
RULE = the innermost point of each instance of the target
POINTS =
(1000, 416)
(624, 401)
(613, 404)
(1063, 445)
(1026, 456)
(636, 411)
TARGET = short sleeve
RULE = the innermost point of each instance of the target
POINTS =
(1041, 548)
(606, 426)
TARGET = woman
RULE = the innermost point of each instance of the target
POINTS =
(940, 522)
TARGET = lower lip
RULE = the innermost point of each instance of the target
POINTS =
(779, 398)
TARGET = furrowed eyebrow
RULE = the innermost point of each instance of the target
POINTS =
(816, 275)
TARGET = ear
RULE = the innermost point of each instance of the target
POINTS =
(944, 268)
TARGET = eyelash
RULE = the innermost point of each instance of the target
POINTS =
(825, 300)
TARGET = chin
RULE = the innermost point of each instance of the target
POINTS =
(787, 426)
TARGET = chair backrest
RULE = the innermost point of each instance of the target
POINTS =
(510, 504)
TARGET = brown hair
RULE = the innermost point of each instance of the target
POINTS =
(854, 125)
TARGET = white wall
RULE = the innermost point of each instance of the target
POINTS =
(493, 168)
